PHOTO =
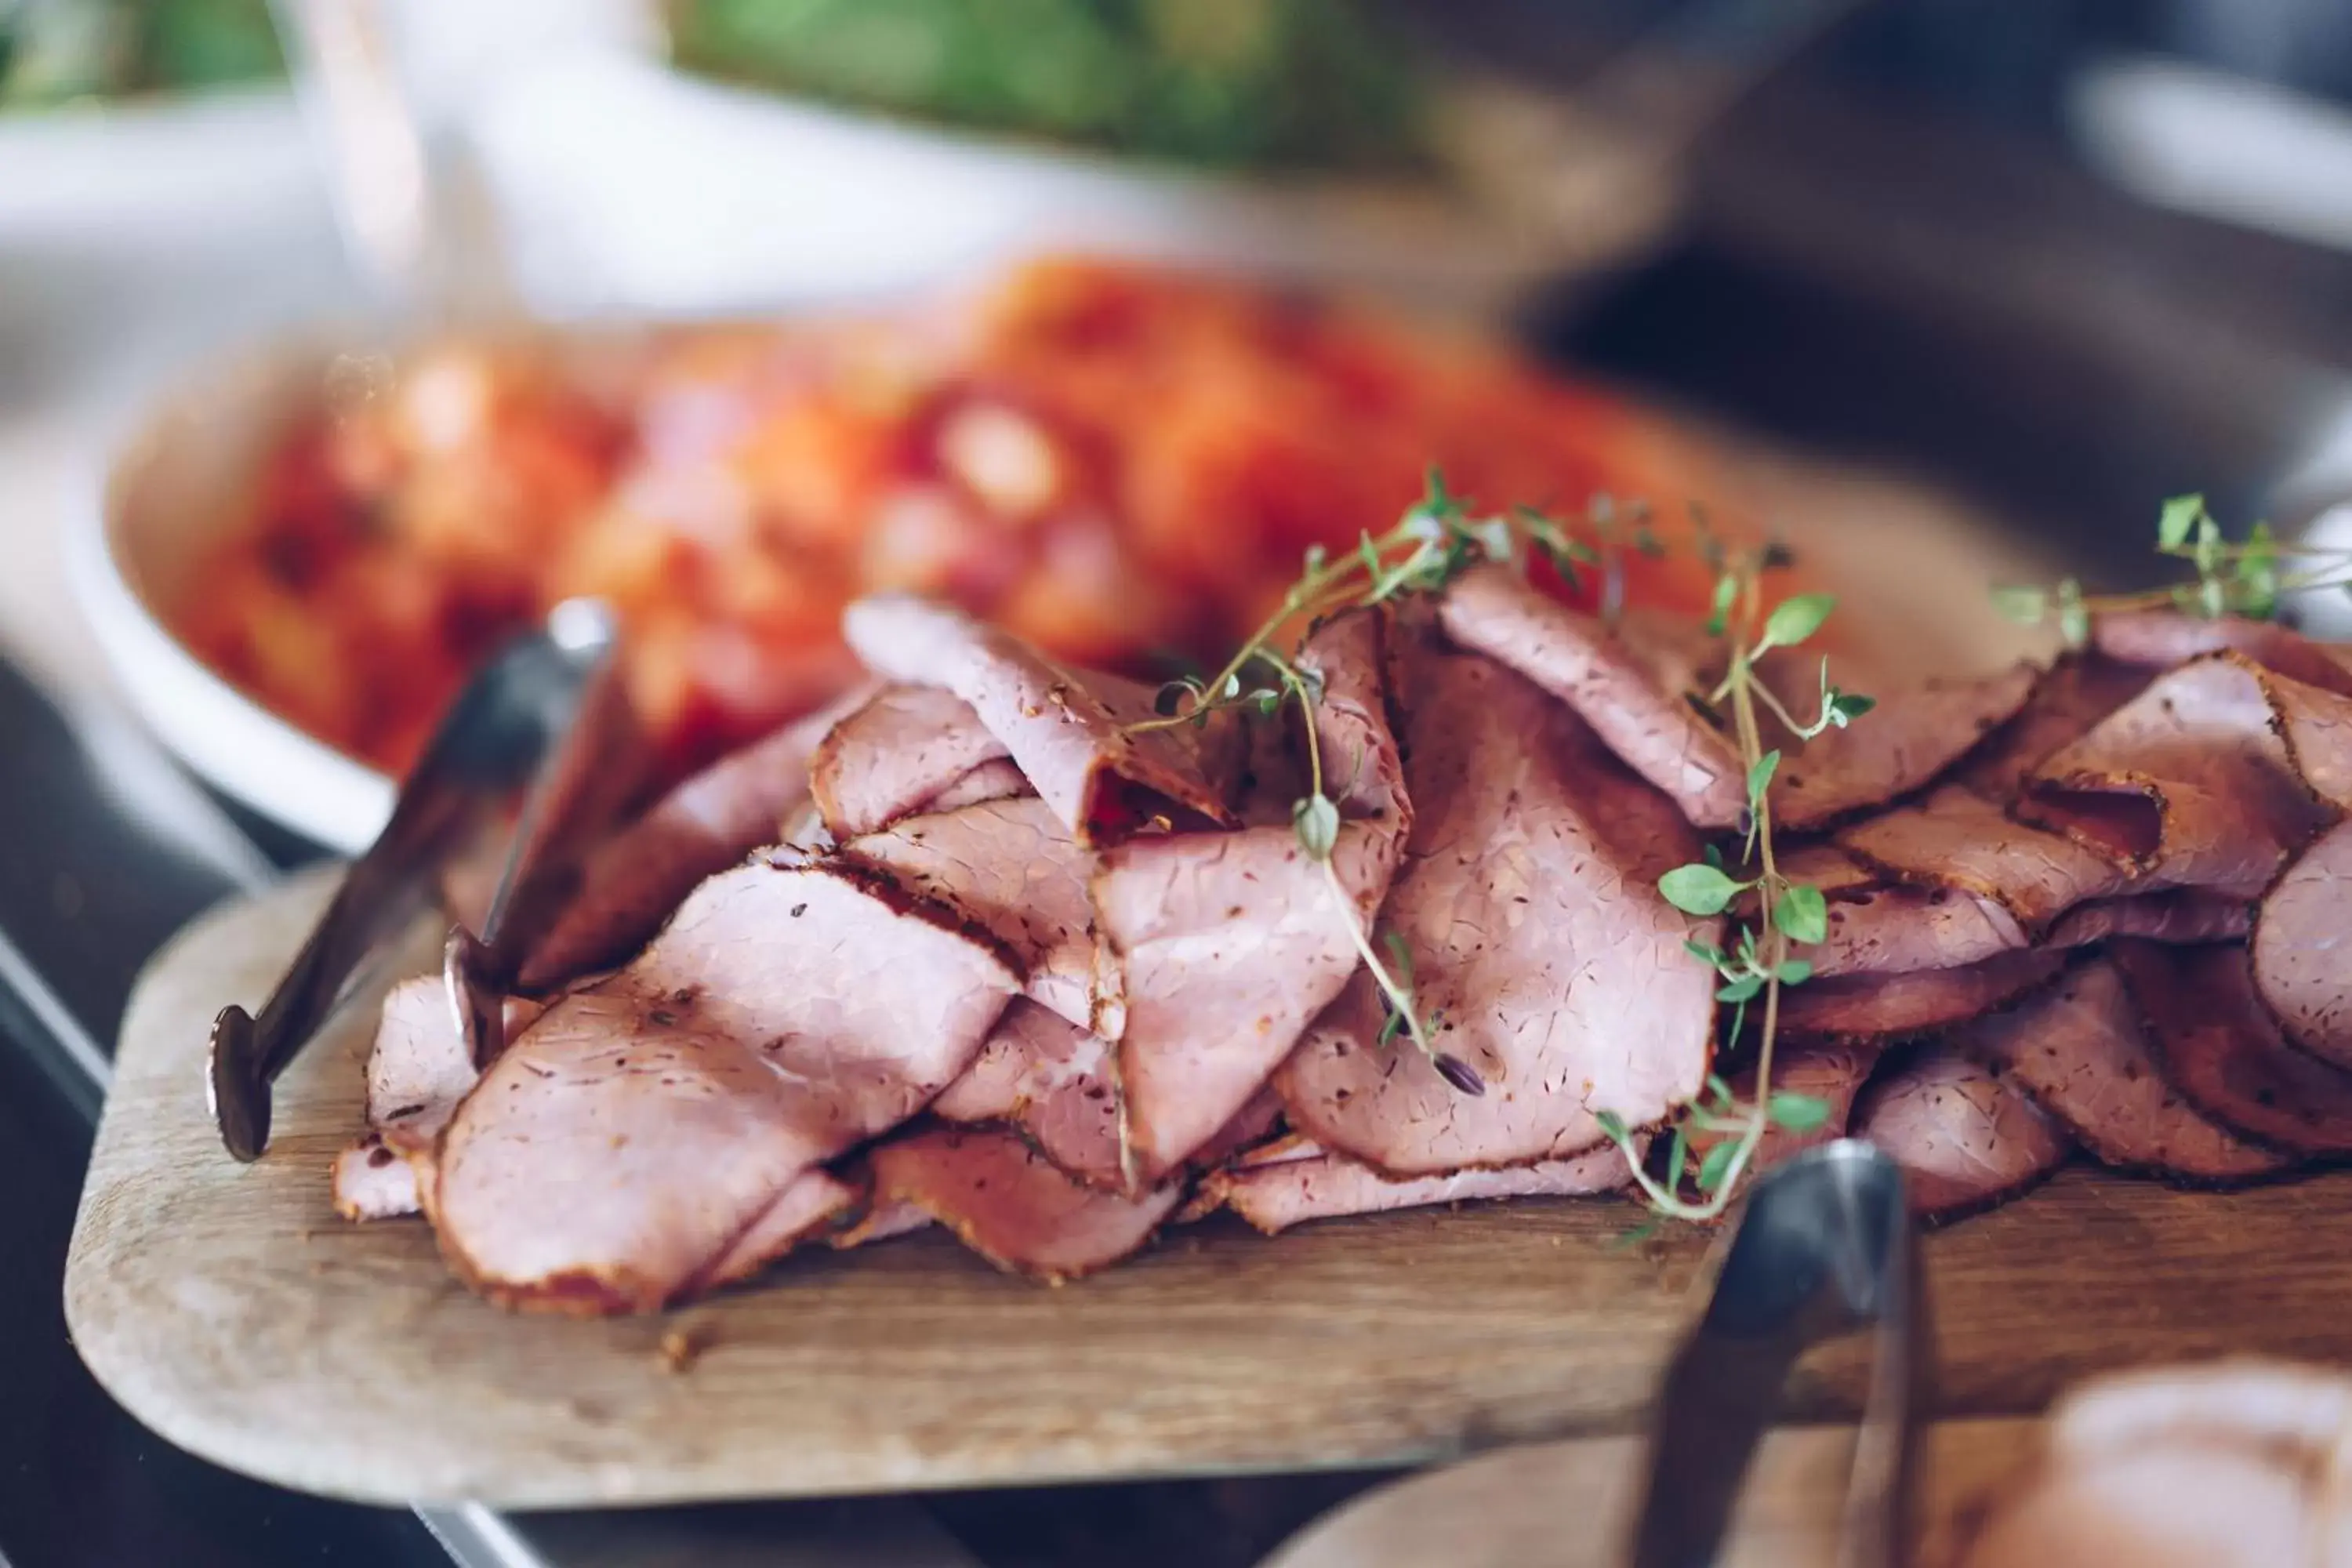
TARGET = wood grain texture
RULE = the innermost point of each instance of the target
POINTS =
(228, 1309)
(1574, 1504)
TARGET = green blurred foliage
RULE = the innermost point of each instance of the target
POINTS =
(1304, 84)
(58, 51)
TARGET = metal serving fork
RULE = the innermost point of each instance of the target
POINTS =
(546, 716)
(1826, 1249)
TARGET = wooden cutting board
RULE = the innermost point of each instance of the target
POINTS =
(228, 1309)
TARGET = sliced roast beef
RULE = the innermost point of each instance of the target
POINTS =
(1646, 720)
(809, 1203)
(1069, 733)
(895, 754)
(2071, 696)
(2180, 916)
(1831, 1071)
(373, 1182)
(1254, 1127)
(1012, 868)
(1052, 1081)
(1956, 839)
(2079, 1049)
(1896, 929)
(2221, 1049)
(634, 880)
(1273, 1197)
(880, 1221)
(2211, 778)
(1917, 1002)
(1542, 954)
(634, 1132)
(2158, 639)
(1010, 1204)
(998, 780)
(1637, 702)
(1966, 1138)
(1224, 945)
(418, 1069)
(1916, 733)
(2302, 947)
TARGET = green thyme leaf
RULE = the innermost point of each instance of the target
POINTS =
(1726, 589)
(1711, 956)
(1718, 1089)
(1717, 1164)
(2021, 602)
(1612, 1125)
(1267, 702)
(1392, 1026)
(1399, 957)
(1317, 821)
(2207, 550)
(1802, 914)
(1699, 890)
(1741, 989)
(2074, 618)
(2258, 573)
(2173, 524)
(1797, 1112)
(1793, 620)
(1845, 707)
(1759, 777)
(2213, 598)
(1795, 970)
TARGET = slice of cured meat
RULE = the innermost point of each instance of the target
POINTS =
(2159, 639)
(1957, 839)
(998, 780)
(634, 880)
(1009, 1203)
(892, 755)
(1276, 1195)
(1914, 1003)
(1916, 733)
(2183, 916)
(1069, 734)
(2209, 778)
(2079, 1049)
(1012, 869)
(1831, 1071)
(808, 1204)
(1543, 954)
(1226, 945)
(2071, 696)
(1636, 698)
(373, 1182)
(2220, 1048)
(418, 1069)
(1965, 1138)
(1639, 714)
(1895, 930)
(636, 1130)
(1052, 1081)
(2302, 947)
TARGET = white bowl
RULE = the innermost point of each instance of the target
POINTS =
(621, 187)
(172, 489)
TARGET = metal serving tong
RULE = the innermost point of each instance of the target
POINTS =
(547, 719)
(1826, 1249)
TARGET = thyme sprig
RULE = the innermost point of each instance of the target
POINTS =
(2251, 576)
(1760, 961)
(1435, 541)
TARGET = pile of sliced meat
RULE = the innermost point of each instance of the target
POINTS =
(980, 948)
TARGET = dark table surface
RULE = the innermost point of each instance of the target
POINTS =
(1900, 284)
